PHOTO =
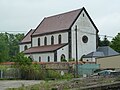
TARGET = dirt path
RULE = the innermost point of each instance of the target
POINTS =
(4, 84)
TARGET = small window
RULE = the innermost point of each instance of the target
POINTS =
(39, 59)
(48, 58)
(45, 41)
(38, 41)
(59, 39)
(83, 15)
(52, 40)
(25, 47)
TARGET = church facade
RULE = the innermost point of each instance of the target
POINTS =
(58, 37)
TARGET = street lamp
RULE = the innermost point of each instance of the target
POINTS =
(76, 51)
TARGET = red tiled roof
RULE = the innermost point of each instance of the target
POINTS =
(58, 22)
(27, 38)
(48, 48)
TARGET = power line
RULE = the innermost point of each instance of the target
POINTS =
(12, 31)
(108, 36)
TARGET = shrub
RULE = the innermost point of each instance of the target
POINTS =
(52, 74)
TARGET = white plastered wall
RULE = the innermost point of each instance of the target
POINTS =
(64, 36)
(63, 50)
(44, 57)
(21, 47)
(84, 27)
(89, 60)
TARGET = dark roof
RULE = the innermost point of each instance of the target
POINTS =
(94, 54)
(102, 52)
(108, 51)
(27, 38)
(42, 49)
(58, 22)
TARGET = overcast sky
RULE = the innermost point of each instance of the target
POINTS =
(22, 15)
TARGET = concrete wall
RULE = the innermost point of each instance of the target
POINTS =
(88, 59)
(64, 37)
(84, 27)
(109, 62)
(21, 47)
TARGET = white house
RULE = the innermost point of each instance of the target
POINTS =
(55, 37)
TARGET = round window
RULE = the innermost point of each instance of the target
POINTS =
(85, 39)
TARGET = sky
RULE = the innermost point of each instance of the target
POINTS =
(23, 15)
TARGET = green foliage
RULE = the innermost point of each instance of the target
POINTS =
(72, 59)
(27, 69)
(9, 46)
(104, 42)
(67, 76)
(115, 43)
(63, 60)
(52, 74)
(20, 59)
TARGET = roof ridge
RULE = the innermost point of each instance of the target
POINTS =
(64, 13)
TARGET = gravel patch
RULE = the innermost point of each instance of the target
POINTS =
(4, 84)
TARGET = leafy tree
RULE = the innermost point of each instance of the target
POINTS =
(9, 46)
(115, 43)
(4, 49)
(104, 42)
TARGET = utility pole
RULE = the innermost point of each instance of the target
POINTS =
(76, 52)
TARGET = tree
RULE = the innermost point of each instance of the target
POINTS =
(4, 49)
(104, 42)
(9, 46)
(115, 43)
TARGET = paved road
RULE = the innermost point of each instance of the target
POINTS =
(4, 84)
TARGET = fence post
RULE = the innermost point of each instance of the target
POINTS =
(1, 73)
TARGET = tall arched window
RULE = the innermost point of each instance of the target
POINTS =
(59, 39)
(45, 41)
(39, 59)
(25, 47)
(48, 58)
(38, 41)
(52, 40)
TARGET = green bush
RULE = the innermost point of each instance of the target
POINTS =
(52, 74)
(67, 76)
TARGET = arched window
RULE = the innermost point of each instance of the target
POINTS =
(25, 47)
(52, 40)
(38, 41)
(39, 59)
(31, 59)
(63, 59)
(59, 39)
(48, 58)
(45, 41)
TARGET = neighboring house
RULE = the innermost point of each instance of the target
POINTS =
(54, 39)
(109, 62)
(101, 52)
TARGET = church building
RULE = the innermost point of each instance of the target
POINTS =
(58, 37)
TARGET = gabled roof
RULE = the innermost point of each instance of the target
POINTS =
(102, 52)
(94, 54)
(108, 51)
(60, 22)
(57, 23)
(27, 38)
(42, 49)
